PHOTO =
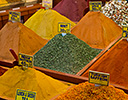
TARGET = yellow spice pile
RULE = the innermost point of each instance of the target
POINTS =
(31, 80)
(45, 23)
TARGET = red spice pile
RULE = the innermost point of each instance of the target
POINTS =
(115, 62)
(72, 9)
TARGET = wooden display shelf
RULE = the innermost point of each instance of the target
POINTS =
(26, 12)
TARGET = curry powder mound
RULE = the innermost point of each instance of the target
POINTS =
(30, 80)
(87, 91)
(45, 23)
(97, 30)
(20, 39)
(66, 54)
(115, 62)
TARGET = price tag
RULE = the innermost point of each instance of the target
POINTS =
(25, 95)
(25, 60)
(125, 31)
(99, 78)
(95, 5)
(14, 16)
(64, 27)
(47, 4)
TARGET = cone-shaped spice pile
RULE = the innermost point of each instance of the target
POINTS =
(20, 39)
(97, 30)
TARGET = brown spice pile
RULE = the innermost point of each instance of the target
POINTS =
(97, 30)
(87, 91)
(115, 62)
(20, 39)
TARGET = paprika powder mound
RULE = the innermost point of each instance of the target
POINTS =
(19, 38)
(45, 23)
(97, 30)
(87, 91)
(114, 62)
(30, 80)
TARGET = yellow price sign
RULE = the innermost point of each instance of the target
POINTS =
(95, 5)
(125, 31)
(25, 95)
(99, 77)
(25, 60)
(15, 16)
(47, 3)
(64, 27)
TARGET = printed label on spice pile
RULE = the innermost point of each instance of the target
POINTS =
(99, 78)
(25, 60)
(25, 95)
(14, 16)
(125, 31)
(64, 27)
(47, 4)
(95, 5)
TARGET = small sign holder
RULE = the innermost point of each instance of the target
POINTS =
(47, 4)
(125, 32)
(25, 60)
(64, 28)
(95, 5)
(25, 95)
(99, 78)
(14, 16)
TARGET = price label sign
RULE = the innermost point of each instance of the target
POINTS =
(25, 95)
(47, 4)
(64, 27)
(95, 5)
(25, 60)
(14, 16)
(99, 78)
(125, 31)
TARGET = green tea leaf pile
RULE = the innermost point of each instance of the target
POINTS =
(66, 54)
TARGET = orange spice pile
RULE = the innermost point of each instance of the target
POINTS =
(20, 39)
(97, 30)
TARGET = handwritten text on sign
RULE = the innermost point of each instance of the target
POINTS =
(47, 3)
(125, 32)
(14, 16)
(64, 27)
(95, 5)
(25, 60)
(98, 78)
(25, 95)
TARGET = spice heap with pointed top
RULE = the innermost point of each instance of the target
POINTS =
(45, 23)
(30, 80)
(87, 91)
(97, 30)
(66, 54)
(19, 38)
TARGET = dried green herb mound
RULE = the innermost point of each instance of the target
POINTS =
(66, 54)
(87, 91)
